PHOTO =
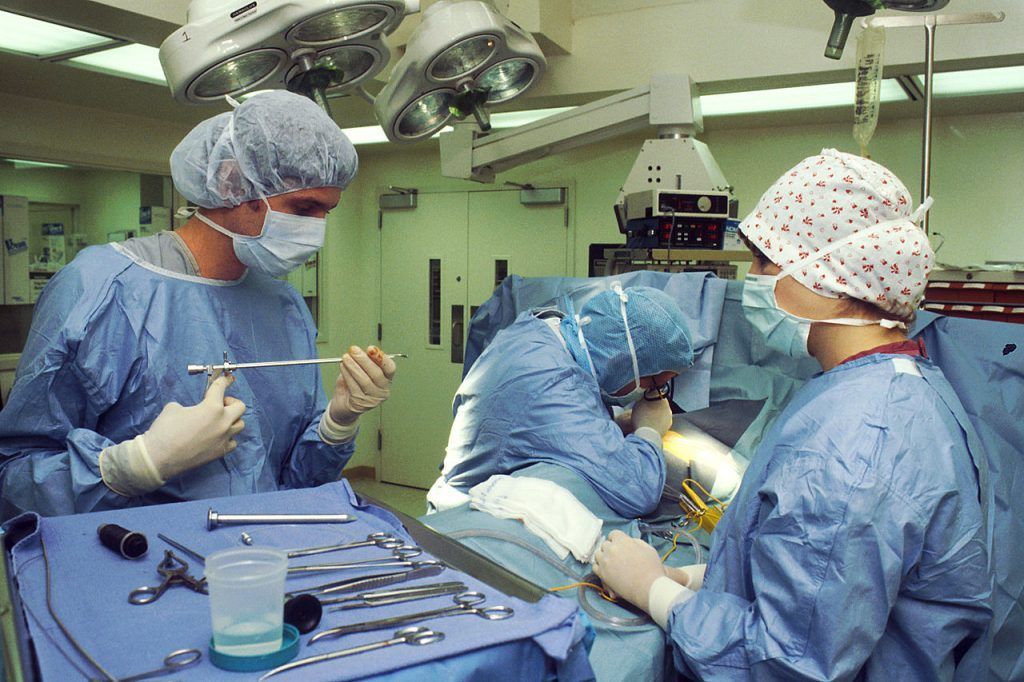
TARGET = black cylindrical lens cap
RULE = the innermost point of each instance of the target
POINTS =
(127, 543)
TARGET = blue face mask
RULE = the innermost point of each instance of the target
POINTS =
(783, 331)
(623, 400)
(285, 242)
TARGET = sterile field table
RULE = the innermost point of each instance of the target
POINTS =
(90, 586)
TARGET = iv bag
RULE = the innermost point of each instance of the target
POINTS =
(870, 48)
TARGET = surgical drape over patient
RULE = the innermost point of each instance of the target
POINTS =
(273, 143)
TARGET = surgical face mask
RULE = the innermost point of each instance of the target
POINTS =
(285, 242)
(637, 393)
(622, 400)
(782, 330)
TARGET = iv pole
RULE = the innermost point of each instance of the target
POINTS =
(930, 22)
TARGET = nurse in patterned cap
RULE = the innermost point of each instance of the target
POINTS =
(858, 546)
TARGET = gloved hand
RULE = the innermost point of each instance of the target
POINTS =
(183, 438)
(624, 420)
(628, 567)
(363, 383)
(691, 576)
(654, 414)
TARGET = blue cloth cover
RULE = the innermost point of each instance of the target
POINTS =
(620, 653)
(857, 544)
(542, 640)
(110, 341)
(527, 400)
(657, 329)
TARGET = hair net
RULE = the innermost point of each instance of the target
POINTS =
(656, 325)
(842, 225)
(273, 143)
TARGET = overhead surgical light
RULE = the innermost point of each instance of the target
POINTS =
(462, 58)
(316, 47)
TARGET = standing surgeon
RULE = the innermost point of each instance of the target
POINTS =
(541, 392)
(858, 544)
(102, 413)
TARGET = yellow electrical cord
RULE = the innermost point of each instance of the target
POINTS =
(697, 511)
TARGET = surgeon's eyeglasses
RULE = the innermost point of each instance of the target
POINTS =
(658, 392)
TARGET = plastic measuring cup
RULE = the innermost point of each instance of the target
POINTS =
(246, 587)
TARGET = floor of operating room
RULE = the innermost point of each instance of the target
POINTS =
(412, 501)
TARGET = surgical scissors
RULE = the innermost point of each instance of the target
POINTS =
(383, 540)
(465, 604)
(175, 572)
(400, 556)
(417, 636)
(173, 662)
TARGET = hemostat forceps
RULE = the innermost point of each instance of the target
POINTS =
(383, 540)
(415, 636)
(175, 572)
(465, 603)
(401, 556)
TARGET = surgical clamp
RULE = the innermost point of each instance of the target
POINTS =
(173, 662)
(175, 572)
(465, 603)
(214, 519)
(369, 582)
(383, 540)
(401, 556)
(417, 636)
(396, 596)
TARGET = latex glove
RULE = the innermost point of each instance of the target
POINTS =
(628, 567)
(183, 438)
(624, 420)
(653, 414)
(691, 576)
(364, 382)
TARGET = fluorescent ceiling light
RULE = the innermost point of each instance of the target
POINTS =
(138, 62)
(510, 119)
(20, 164)
(979, 81)
(25, 35)
(789, 99)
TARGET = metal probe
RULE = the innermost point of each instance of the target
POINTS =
(213, 519)
(232, 366)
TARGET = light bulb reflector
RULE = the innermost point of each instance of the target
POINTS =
(340, 24)
(237, 74)
(425, 115)
(346, 64)
(507, 79)
(462, 57)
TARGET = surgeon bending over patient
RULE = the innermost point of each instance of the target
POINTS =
(97, 417)
(856, 547)
(541, 392)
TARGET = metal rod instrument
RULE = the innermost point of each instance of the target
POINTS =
(228, 367)
(215, 519)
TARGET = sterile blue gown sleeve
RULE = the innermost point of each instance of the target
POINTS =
(525, 400)
(856, 547)
(109, 345)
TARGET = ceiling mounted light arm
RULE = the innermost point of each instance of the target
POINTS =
(316, 47)
(462, 59)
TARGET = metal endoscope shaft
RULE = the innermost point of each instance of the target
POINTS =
(232, 366)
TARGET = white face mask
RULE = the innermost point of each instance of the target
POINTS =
(285, 242)
(782, 330)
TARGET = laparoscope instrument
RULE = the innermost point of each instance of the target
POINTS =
(215, 519)
(466, 603)
(416, 636)
(228, 367)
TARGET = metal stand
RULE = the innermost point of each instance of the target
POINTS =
(930, 22)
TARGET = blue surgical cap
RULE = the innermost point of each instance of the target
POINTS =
(273, 143)
(658, 328)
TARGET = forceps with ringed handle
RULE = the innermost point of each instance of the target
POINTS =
(175, 572)
(401, 556)
(415, 635)
(465, 603)
(378, 539)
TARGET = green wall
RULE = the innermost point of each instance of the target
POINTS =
(977, 173)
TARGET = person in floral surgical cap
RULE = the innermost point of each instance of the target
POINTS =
(858, 544)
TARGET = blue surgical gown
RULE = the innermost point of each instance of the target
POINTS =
(525, 400)
(857, 547)
(109, 345)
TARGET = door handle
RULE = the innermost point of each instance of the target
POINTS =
(458, 334)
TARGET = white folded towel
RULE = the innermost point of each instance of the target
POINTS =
(548, 510)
